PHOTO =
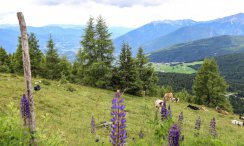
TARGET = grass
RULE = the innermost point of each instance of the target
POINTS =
(177, 68)
(71, 113)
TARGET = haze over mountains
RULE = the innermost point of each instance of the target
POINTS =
(157, 35)
(66, 37)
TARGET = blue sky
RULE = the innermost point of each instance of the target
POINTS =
(125, 13)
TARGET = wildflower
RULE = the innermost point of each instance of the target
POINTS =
(118, 132)
(25, 107)
(213, 127)
(93, 125)
(174, 135)
(164, 113)
(197, 126)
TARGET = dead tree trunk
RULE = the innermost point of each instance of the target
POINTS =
(27, 75)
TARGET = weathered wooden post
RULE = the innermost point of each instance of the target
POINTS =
(27, 75)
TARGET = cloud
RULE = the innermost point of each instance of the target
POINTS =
(130, 3)
(118, 3)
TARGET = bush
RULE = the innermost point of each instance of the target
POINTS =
(184, 96)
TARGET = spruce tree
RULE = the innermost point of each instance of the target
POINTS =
(147, 74)
(52, 61)
(96, 55)
(17, 59)
(209, 87)
(4, 60)
(88, 53)
(104, 42)
(128, 72)
(35, 55)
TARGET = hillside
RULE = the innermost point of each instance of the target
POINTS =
(71, 113)
(231, 25)
(149, 32)
(197, 50)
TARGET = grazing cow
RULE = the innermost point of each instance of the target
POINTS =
(239, 123)
(241, 117)
(175, 99)
(203, 108)
(193, 107)
(219, 110)
(159, 103)
(168, 96)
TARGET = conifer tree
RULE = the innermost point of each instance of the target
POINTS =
(52, 61)
(128, 72)
(4, 60)
(209, 87)
(17, 59)
(35, 55)
(146, 73)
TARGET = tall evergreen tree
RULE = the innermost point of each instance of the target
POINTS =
(88, 53)
(146, 73)
(128, 72)
(96, 55)
(104, 42)
(4, 60)
(17, 58)
(35, 55)
(52, 61)
(209, 87)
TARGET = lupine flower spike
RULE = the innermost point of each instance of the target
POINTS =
(174, 135)
(25, 108)
(213, 127)
(197, 126)
(164, 113)
(93, 125)
(118, 132)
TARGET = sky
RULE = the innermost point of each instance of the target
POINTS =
(123, 13)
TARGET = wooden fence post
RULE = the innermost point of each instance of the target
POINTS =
(27, 75)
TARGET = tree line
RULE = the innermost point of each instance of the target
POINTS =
(95, 64)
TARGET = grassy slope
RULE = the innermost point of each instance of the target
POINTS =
(71, 112)
(180, 68)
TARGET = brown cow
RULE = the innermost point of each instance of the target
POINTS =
(219, 110)
(168, 96)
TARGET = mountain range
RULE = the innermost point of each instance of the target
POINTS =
(178, 32)
(154, 36)
(66, 37)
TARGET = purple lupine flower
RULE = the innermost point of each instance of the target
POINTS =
(118, 132)
(174, 135)
(25, 107)
(213, 127)
(93, 125)
(197, 126)
(164, 113)
(180, 124)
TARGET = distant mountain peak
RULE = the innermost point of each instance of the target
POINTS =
(174, 22)
(233, 19)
